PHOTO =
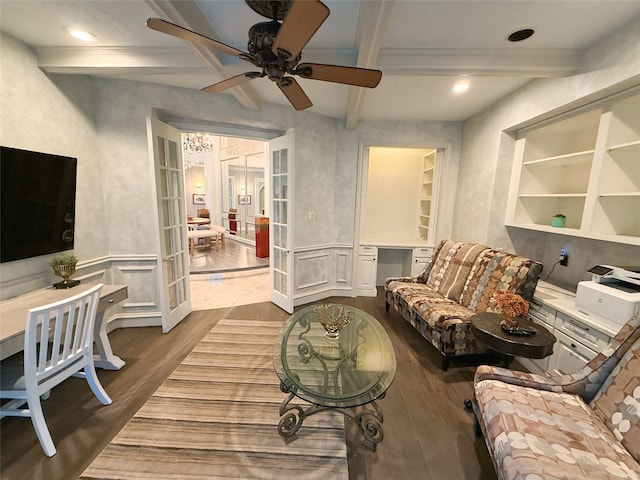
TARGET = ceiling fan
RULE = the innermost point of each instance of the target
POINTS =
(276, 49)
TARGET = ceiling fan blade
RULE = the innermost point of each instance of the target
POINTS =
(190, 36)
(362, 77)
(294, 93)
(231, 82)
(302, 21)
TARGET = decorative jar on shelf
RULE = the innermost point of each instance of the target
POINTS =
(558, 220)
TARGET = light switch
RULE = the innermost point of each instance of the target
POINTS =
(311, 216)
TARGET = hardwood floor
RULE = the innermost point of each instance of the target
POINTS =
(427, 432)
(236, 255)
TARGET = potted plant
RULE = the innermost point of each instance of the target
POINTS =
(558, 220)
(64, 265)
(510, 307)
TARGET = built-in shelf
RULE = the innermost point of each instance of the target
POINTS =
(426, 203)
(568, 159)
(552, 195)
(619, 194)
(585, 166)
(626, 147)
(397, 214)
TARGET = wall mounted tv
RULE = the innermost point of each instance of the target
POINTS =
(38, 203)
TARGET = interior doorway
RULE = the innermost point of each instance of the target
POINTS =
(226, 175)
(225, 179)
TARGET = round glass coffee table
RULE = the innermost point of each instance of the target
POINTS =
(345, 374)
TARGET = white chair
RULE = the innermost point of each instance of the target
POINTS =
(65, 328)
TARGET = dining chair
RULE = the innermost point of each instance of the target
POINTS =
(58, 344)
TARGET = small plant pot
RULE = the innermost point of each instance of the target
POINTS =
(65, 271)
(558, 221)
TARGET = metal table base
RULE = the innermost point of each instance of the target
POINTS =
(367, 417)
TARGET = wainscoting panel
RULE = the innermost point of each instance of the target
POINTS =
(311, 270)
(138, 273)
(143, 294)
(343, 267)
(322, 271)
(142, 307)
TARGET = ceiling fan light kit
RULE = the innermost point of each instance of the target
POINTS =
(276, 49)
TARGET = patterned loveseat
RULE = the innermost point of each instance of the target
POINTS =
(583, 425)
(458, 282)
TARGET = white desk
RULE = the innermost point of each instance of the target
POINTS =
(13, 318)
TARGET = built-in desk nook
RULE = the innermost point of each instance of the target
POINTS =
(379, 261)
(13, 315)
(398, 204)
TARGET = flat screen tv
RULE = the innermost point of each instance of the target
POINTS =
(38, 203)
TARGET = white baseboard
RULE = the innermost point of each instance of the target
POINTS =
(121, 320)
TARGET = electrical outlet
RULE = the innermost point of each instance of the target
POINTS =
(564, 257)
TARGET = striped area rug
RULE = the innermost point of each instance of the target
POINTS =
(216, 417)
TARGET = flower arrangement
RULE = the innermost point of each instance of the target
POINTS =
(511, 304)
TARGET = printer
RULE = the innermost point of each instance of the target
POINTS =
(612, 294)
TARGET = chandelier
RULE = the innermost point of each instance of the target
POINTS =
(197, 148)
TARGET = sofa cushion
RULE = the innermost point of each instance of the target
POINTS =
(424, 274)
(494, 270)
(432, 314)
(452, 266)
(539, 434)
(432, 306)
(617, 403)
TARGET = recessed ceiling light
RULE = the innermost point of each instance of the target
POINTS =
(520, 35)
(461, 86)
(81, 35)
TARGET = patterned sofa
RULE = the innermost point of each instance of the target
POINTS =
(458, 282)
(583, 425)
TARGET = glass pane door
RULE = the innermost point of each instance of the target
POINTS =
(281, 257)
(167, 154)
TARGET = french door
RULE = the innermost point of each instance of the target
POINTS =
(281, 162)
(173, 258)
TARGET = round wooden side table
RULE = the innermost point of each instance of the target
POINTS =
(486, 329)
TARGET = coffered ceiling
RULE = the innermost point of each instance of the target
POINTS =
(422, 47)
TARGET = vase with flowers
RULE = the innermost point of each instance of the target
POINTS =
(511, 308)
